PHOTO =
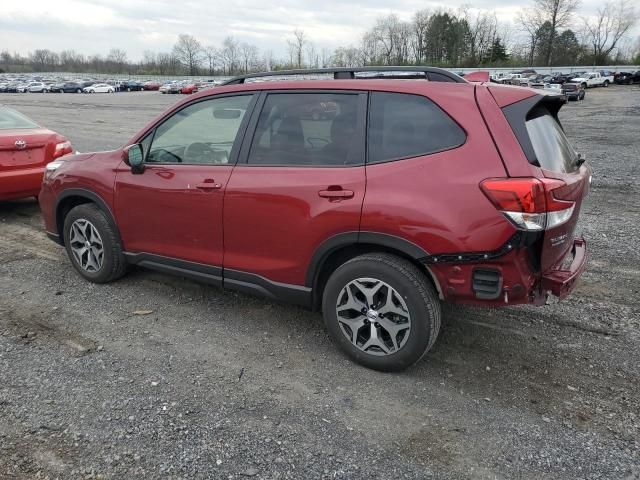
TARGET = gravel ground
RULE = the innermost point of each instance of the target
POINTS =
(158, 377)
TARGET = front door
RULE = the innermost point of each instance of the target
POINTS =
(174, 208)
(299, 181)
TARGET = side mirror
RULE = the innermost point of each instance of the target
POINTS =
(134, 157)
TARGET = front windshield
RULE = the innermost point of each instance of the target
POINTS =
(10, 119)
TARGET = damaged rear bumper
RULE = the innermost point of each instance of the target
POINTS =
(561, 282)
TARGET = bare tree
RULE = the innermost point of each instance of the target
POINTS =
(298, 43)
(268, 60)
(530, 20)
(325, 57)
(558, 13)
(44, 59)
(608, 27)
(168, 64)
(312, 56)
(118, 58)
(482, 33)
(211, 54)
(249, 55)
(188, 51)
(230, 54)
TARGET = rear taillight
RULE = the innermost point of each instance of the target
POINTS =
(62, 148)
(528, 202)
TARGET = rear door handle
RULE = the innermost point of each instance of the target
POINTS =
(336, 193)
(209, 184)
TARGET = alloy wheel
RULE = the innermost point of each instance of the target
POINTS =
(373, 316)
(86, 245)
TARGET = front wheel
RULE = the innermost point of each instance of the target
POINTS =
(93, 245)
(606, 83)
(382, 311)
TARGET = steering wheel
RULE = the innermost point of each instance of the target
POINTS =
(157, 156)
(204, 152)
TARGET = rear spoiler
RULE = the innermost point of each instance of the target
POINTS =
(480, 76)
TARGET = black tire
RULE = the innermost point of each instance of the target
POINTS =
(606, 83)
(114, 264)
(78, 91)
(417, 292)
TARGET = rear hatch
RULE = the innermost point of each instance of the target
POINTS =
(556, 159)
(548, 176)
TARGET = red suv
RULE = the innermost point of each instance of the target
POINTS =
(410, 193)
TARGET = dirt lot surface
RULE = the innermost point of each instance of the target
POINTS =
(213, 384)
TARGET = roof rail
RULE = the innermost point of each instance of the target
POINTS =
(429, 73)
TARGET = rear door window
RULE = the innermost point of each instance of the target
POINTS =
(404, 125)
(553, 150)
(309, 129)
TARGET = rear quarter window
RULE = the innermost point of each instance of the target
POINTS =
(404, 126)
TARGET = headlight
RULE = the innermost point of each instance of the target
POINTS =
(52, 167)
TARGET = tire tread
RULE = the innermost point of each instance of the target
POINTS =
(118, 265)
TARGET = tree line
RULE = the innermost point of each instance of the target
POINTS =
(546, 33)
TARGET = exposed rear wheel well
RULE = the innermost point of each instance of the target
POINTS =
(344, 254)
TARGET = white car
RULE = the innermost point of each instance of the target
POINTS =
(24, 87)
(99, 88)
(37, 87)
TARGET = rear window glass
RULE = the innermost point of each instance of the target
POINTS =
(553, 150)
(12, 119)
(403, 126)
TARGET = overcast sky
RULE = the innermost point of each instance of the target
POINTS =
(95, 26)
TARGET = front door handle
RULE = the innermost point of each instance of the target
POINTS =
(336, 194)
(209, 184)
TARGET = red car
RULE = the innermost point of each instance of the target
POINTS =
(25, 149)
(151, 85)
(410, 193)
(189, 89)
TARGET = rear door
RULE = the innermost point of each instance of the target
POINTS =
(299, 181)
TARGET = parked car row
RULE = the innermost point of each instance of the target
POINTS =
(572, 85)
(20, 84)
(529, 78)
(34, 84)
(186, 87)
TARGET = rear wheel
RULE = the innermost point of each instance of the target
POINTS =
(93, 245)
(382, 311)
(78, 90)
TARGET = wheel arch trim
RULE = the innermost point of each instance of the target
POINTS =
(376, 239)
(92, 197)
